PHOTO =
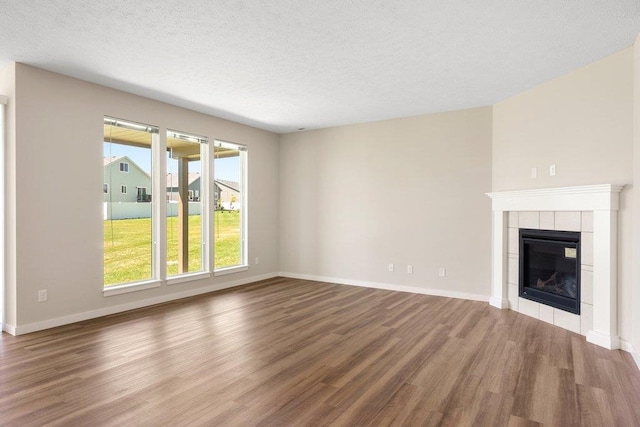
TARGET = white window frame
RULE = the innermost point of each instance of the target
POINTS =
(124, 167)
(206, 155)
(156, 275)
(123, 189)
(244, 223)
(207, 200)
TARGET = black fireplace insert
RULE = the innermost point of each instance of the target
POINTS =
(550, 268)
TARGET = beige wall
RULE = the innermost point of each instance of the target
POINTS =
(340, 202)
(8, 89)
(408, 191)
(58, 241)
(636, 190)
(582, 123)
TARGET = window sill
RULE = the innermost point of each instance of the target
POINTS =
(230, 270)
(133, 287)
(174, 280)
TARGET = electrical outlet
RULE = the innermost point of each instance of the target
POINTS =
(390, 267)
(442, 272)
(42, 295)
(410, 269)
(552, 170)
(534, 173)
(257, 261)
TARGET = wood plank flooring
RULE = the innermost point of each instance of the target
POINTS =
(290, 352)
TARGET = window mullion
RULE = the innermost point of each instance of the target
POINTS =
(209, 206)
(244, 254)
(159, 208)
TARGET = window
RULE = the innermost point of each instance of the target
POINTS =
(141, 195)
(180, 221)
(230, 197)
(128, 236)
(186, 214)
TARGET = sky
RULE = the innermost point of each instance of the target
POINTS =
(227, 169)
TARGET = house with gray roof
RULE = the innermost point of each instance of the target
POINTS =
(227, 195)
(194, 187)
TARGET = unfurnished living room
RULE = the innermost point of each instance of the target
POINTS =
(334, 213)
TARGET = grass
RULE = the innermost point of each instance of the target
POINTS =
(127, 246)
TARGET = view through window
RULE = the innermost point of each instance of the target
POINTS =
(132, 225)
(185, 204)
(229, 223)
(128, 243)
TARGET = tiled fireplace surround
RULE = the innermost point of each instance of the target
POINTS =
(561, 221)
(591, 210)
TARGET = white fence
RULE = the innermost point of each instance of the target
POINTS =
(128, 210)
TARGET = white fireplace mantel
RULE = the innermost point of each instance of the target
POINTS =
(603, 201)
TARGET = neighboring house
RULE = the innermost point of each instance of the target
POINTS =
(194, 187)
(227, 195)
(125, 181)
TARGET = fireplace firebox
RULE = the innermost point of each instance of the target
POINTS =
(550, 268)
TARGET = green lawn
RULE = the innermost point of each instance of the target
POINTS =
(127, 246)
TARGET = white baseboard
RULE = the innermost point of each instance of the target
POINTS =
(626, 346)
(388, 286)
(10, 329)
(499, 303)
(79, 317)
(610, 342)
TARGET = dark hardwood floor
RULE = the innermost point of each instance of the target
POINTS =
(292, 352)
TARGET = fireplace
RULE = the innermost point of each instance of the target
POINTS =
(550, 268)
(591, 210)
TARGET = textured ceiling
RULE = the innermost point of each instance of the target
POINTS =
(282, 65)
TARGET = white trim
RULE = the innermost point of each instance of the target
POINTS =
(140, 127)
(133, 287)
(206, 207)
(499, 286)
(208, 175)
(183, 278)
(230, 270)
(159, 204)
(611, 342)
(603, 201)
(79, 317)
(10, 329)
(583, 198)
(229, 145)
(626, 346)
(388, 286)
(244, 205)
(188, 137)
(500, 303)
